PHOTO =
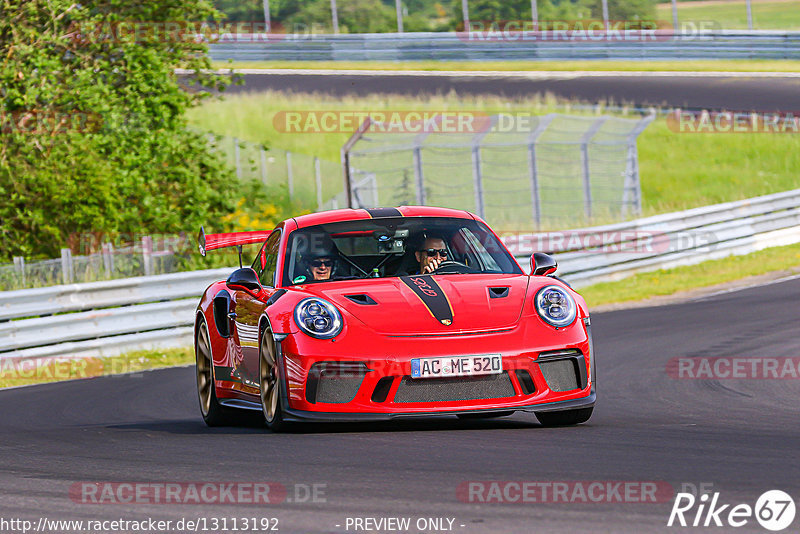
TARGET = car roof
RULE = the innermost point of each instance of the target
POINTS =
(350, 214)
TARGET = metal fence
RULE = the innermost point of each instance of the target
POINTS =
(716, 44)
(311, 181)
(144, 258)
(550, 170)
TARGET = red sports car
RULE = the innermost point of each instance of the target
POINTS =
(374, 314)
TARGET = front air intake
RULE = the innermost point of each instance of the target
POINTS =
(334, 382)
(454, 389)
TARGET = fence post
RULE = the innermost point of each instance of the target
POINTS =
(633, 184)
(236, 158)
(147, 255)
(66, 265)
(536, 201)
(345, 159)
(419, 175)
(477, 172)
(587, 181)
(318, 179)
(19, 266)
(263, 165)
(108, 259)
(477, 181)
(289, 175)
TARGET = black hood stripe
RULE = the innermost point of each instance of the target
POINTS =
(432, 296)
(379, 213)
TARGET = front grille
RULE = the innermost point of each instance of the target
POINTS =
(560, 375)
(454, 389)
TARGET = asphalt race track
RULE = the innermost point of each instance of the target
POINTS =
(742, 436)
(733, 93)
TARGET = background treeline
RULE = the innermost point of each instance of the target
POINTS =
(356, 16)
(93, 134)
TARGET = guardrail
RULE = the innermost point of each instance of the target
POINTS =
(102, 318)
(605, 253)
(106, 318)
(717, 44)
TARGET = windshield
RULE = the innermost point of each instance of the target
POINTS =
(394, 246)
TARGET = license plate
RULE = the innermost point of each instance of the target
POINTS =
(488, 364)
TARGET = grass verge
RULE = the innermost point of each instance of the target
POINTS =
(728, 65)
(39, 371)
(710, 273)
(678, 170)
(732, 15)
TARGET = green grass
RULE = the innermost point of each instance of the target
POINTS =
(732, 15)
(38, 372)
(730, 65)
(678, 170)
(710, 273)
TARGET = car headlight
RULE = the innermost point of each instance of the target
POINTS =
(556, 306)
(318, 318)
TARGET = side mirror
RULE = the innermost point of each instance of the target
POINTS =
(244, 279)
(543, 264)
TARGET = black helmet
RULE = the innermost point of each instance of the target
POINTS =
(315, 245)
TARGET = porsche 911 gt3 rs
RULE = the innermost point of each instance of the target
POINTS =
(375, 314)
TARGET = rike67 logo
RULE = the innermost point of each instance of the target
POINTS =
(774, 510)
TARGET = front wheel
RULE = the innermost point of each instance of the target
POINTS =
(270, 383)
(565, 417)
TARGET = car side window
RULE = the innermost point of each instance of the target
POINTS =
(267, 261)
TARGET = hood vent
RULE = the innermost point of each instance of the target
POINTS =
(498, 292)
(364, 300)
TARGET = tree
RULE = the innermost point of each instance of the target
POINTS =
(93, 136)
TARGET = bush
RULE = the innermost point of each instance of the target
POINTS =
(92, 130)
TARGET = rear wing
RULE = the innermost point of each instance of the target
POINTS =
(233, 239)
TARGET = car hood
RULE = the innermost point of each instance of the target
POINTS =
(439, 304)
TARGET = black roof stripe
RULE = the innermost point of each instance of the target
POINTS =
(377, 213)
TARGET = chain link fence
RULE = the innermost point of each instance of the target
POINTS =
(548, 171)
(310, 181)
(143, 258)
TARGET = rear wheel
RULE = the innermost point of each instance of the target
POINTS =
(565, 417)
(270, 383)
(214, 414)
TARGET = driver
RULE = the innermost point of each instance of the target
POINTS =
(431, 254)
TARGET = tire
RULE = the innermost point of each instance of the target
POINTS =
(565, 418)
(214, 414)
(270, 380)
(490, 415)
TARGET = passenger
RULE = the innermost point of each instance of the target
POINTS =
(321, 268)
(320, 259)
